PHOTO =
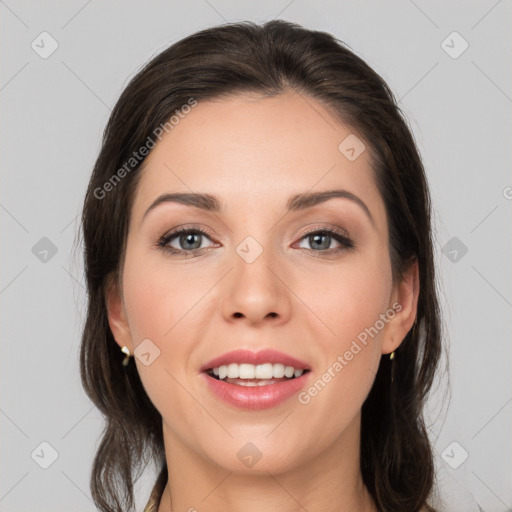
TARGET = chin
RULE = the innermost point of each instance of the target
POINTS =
(250, 460)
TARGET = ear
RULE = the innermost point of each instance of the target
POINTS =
(117, 316)
(405, 300)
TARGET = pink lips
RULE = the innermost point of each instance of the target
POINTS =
(263, 356)
(255, 397)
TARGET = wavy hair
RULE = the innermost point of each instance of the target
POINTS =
(396, 459)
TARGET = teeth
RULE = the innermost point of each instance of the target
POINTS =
(223, 372)
(253, 384)
(232, 371)
(246, 371)
(289, 371)
(278, 370)
(264, 371)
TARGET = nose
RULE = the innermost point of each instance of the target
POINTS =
(256, 292)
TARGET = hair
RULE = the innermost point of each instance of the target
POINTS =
(270, 59)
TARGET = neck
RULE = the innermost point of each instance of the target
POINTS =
(329, 481)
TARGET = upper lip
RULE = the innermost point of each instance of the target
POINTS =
(247, 356)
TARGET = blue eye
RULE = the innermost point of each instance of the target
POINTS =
(321, 239)
(190, 241)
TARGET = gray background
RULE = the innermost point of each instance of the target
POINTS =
(54, 110)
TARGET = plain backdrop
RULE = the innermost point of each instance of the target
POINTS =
(63, 66)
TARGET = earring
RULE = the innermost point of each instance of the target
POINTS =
(126, 360)
(391, 358)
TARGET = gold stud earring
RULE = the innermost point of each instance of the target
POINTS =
(392, 355)
(126, 351)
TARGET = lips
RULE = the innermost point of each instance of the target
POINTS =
(247, 356)
(244, 393)
(258, 397)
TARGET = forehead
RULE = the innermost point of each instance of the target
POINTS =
(249, 150)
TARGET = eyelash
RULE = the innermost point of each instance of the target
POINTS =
(339, 236)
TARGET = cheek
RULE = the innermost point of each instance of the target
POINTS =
(160, 308)
(158, 298)
(350, 300)
(350, 297)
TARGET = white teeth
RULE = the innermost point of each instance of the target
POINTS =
(240, 382)
(264, 371)
(246, 371)
(265, 382)
(288, 371)
(223, 372)
(278, 371)
(232, 371)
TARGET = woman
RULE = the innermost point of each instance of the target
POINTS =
(257, 234)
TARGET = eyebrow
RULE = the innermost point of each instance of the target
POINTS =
(297, 202)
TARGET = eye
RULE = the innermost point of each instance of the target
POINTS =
(320, 240)
(184, 241)
(189, 241)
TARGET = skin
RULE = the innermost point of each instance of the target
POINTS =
(253, 153)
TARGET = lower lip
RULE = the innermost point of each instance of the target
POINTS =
(255, 397)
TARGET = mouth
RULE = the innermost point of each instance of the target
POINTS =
(250, 375)
(254, 387)
(255, 380)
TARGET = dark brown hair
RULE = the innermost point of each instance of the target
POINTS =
(396, 456)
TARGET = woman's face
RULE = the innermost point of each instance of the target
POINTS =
(257, 280)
